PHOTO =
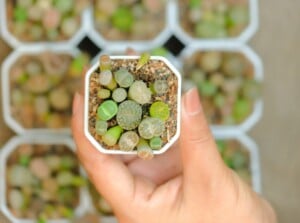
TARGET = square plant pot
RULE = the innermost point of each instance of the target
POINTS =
(32, 169)
(37, 87)
(241, 154)
(42, 22)
(229, 80)
(214, 22)
(144, 112)
(129, 24)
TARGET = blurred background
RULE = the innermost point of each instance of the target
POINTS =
(40, 69)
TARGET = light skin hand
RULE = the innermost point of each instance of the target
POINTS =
(189, 183)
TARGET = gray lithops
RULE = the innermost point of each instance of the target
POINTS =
(124, 78)
(129, 115)
(128, 141)
(139, 92)
(150, 127)
(19, 176)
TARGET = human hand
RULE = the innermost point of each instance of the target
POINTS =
(189, 183)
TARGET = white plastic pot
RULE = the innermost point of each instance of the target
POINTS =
(97, 145)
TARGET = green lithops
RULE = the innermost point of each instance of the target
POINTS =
(160, 110)
(150, 127)
(143, 150)
(129, 114)
(124, 78)
(155, 143)
(107, 110)
(101, 127)
(112, 135)
(139, 92)
(103, 93)
(119, 94)
(128, 141)
(123, 19)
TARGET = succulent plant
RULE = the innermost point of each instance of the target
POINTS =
(16, 199)
(101, 127)
(128, 141)
(144, 58)
(112, 135)
(129, 115)
(160, 110)
(60, 99)
(105, 63)
(160, 87)
(19, 176)
(103, 93)
(155, 143)
(122, 19)
(143, 150)
(64, 6)
(221, 89)
(44, 20)
(211, 61)
(48, 185)
(119, 94)
(129, 19)
(105, 77)
(107, 110)
(124, 78)
(235, 157)
(150, 127)
(214, 19)
(139, 92)
(39, 168)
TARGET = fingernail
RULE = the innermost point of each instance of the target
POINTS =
(192, 102)
(76, 101)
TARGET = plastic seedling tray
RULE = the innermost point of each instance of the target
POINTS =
(10, 147)
(253, 150)
(254, 59)
(15, 42)
(6, 90)
(139, 45)
(245, 36)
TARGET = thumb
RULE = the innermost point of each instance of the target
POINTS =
(202, 163)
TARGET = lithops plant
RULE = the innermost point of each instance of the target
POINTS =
(42, 86)
(214, 19)
(140, 113)
(129, 20)
(43, 182)
(236, 157)
(226, 84)
(40, 20)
